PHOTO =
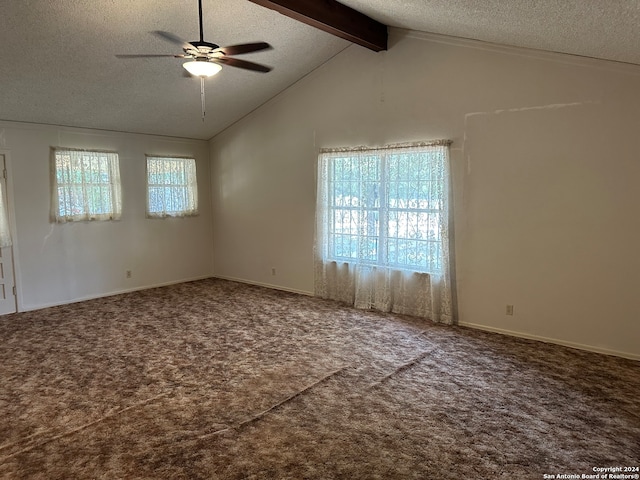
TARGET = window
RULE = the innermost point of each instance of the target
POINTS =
(382, 229)
(86, 185)
(172, 189)
(385, 207)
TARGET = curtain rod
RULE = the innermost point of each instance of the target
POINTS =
(71, 149)
(393, 146)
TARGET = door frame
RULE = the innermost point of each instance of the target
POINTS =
(12, 226)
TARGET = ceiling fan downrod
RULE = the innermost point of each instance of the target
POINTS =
(200, 19)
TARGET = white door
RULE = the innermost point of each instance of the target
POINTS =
(7, 282)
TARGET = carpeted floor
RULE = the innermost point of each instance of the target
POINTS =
(215, 379)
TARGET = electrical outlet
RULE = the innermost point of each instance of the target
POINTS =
(273, 272)
(509, 310)
(128, 273)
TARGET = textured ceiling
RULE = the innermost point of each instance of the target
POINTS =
(605, 29)
(57, 63)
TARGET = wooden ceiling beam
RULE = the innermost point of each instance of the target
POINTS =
(335, 18)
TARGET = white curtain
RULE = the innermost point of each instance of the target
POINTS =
(5, 234)
(86, 185)
(382, 229)
(172, 187)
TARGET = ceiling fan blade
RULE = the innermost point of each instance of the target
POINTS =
(135, 55)
(235, 62)
(243, 48)
(170, 37)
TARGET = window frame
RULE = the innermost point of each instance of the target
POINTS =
(62, 195)
(382, 211)
(189, 187)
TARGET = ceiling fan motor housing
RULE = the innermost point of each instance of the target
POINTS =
(201, 51)
(199, 44)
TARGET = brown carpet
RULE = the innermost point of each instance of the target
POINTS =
(215, 379)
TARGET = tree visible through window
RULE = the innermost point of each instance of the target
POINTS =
(86, 185)
(172, 189)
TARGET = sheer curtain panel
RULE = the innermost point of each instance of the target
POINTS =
(382, 229)
(86, 185)
(172, 187)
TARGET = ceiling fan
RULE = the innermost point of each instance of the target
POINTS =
(205, 59)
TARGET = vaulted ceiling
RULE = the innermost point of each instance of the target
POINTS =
(58, 64)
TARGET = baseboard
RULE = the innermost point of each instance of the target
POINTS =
(111, 294)
(260, 284)
(579, 346)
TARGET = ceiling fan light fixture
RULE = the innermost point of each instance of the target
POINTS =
(202, 68)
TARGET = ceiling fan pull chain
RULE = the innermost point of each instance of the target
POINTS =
(202, 96)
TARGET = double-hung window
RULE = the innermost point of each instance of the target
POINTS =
(172, 189)
(86, 185)
(385, 207)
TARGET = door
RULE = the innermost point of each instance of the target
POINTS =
(7, 282)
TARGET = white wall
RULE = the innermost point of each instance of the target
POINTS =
(61, 263)
(545, 159)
